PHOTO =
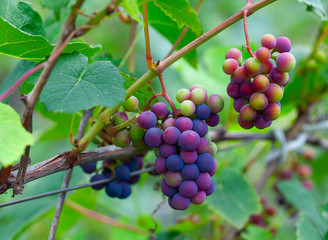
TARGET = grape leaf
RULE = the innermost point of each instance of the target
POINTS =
(306, 230)
(22, 16)
(74, 86)
(131, 6)
(13, 137)
(180, 12)
(234, 198)
(318, 7)
(22, 45)
(301, 198)
(143, 94)
(51, 4)
(256, 233)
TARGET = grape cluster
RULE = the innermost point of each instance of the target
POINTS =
(257, 85)
(119, 188)
(183, 150)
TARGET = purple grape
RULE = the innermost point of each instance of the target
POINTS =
(169, 200)
(126, 190)
(167, 190)
(200, 127)
(246, 90)
(203, 145)
(202, 111)
(189, 140)
(211, 189)
(235, 54)
(122, 173)
(160, 109)
(279, 77)
(174, 163)
(238, 103)
(244, 124)
(188, 157)
(173, 179)
(180, 202)
(89, 167)
(272, 111)
(213, 171)
(170, 122)
(114, 189)
(198, 198)
(240, 76)
(96, 178)
(203, 181)
(215, 103)
(153, 137)
(213, 120)
(261, 122)
(134, 179)
(188, 188)
(233, 89)
(171, 135)
(147, 120)
(190, 171)
(285, 62)
(283, 45)
(132, 164)
(268, 41)
(166, 150)
(205, 162)
(183, 124)
(140, 162)
(160, 165)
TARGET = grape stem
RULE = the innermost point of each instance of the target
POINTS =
(151, 99)
(248, 46)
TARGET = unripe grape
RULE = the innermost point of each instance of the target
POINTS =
(279, 77)
(200, 127)
(267, 67)
(173, 179)
(198, 198)
(138, 144)
(160, 109)
(119, 118)
(247, 113)
(304, 171)
(238, 103)
(131, 104)
(153, 137)
(136, 132)
(188, 188)
(190, 171)
(320, 56)
(229, 66)
(147, 120)
(246, 90)
(189, 140)
(187, 108)
(196, 86)
(170, 122)
(202, 111)
(244, 124)
(212, 149)
(258, 101)
(261, 122)
(272, 111)
(283, 45)
(263, 54)
(285, 62)
(160, 165)
(167, 190)
(213, 120)
(235, 54)
(180, 202)
(171, 135)
(274, 93)
(183, 124)
(240, 75)
(268, 41)
(253, 66)
(182, 94)
(211, 189)
(215, 103)
(122, 139)
(260, 83)
(174, 163)
(167, 150)
(198, 96)
(233, 89)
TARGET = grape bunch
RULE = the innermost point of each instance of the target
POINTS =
(120, 187)
(183, 150)
(257, 85)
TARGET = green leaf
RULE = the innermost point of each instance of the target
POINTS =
(74, 86)
(302, 199)
(131, 6)
(181, 12)
(306, 230)
(234, 198)
(170, 30)
(256, 233)
(14, 138)
(22, 16)
(51, 4)
(143, 94)
(318, 7)
(19, 44)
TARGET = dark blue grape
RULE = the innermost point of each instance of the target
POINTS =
(188, 188)
(153, 137)
(134, 179)
(174, 163)
(202, 111)
(200, 127)
(167, 190)
(122, 173)
(190, 171)
(96, 178)
(205, 162)
(114, 189)
(147, 120)
(126, 190)
(132, 164)
(89, 167)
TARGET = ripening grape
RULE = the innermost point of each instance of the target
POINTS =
(160, 109)
(238, 103)
(89, 167)
(247, 113)
(272, 111)
(212, 149)
(213, 171)
(267, 67)
(253, 66)
(196, 86)
(279, 77)
(233, 89)
(240, 75)
(213, 120)
(246, 90)
(283, 45)
(153, 137)
(187, 108)
(211, 189)
(147, 120)
(203, 145)
(285, 62)
(235, 54)
(170, 122)
(260, 83)
(189, 140)
(230, 65)
(198, 198)
(122, 139)
(258, 101)
(261, 122)
(119, 118)
(263, 54)
(182, 94)
(274, 93)
(215, 103)
(268, 41)
(173, 179)
(244, 124)
(198, 96)
(131, 104)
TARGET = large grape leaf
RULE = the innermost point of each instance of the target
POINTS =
(306, 230)
(234, 198)
(143, 94)
(73, 85)
(302, 199)
(170, 30)
(256, 233)
(318, 7)
(22, 45)
(13, 137)
(22, 16)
